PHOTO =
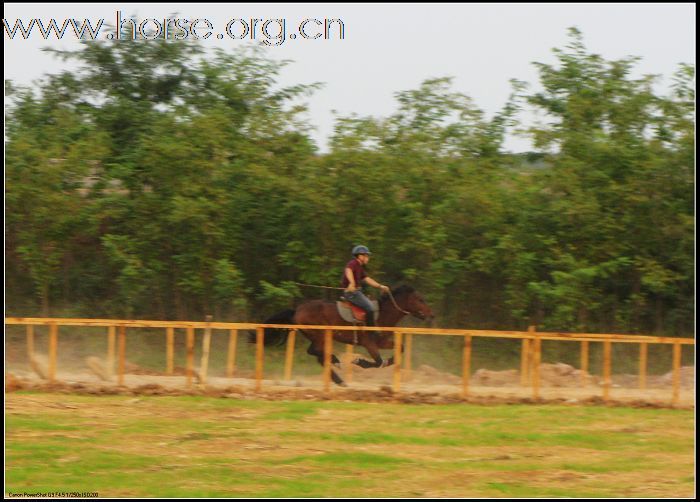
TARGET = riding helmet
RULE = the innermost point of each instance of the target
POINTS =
(360, 250)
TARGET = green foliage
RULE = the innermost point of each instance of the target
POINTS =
(282, 295)
(163, 181)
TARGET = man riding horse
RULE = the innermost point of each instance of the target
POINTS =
(393, 306)
(353, 276)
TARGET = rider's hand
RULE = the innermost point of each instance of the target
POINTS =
(384, 288)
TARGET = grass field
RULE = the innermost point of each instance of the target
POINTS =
(121, 446)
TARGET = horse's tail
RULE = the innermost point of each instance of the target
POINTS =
(275, 336)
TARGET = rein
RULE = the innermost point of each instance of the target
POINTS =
(331, 287)
(395, 305)
(315, 286)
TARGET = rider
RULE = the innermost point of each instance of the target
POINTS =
(353, 275)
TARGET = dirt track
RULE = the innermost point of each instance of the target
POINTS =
(560, 383)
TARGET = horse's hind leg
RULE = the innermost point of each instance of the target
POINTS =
(314, 351)
(319, 355)
(365, 363)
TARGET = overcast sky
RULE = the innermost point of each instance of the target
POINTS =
(393, 47)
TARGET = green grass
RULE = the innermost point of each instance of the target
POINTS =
(198, 446)
(357, 460)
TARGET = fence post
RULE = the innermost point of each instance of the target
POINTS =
(348, 366)
(111, 349)
(676, 372)
(30, 343)
(53, 349)
(537, 360)
(607, 369)
(189, 370)
(231, 358)
(531, 363)
(259, 357)
(584, 362)
(397, 361)
(327, 350)
(289, 355)
(169, 350)
(466, 364)
(206, 345)
(122, 353)
(524, 361)
(643, 349)
(408, 350)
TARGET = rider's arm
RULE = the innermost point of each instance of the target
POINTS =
(374, 283)
(351, 279)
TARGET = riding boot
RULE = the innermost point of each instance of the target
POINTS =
(369, 321)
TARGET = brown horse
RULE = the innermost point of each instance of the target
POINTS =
(320, 312)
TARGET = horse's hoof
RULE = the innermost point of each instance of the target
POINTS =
(343, 384)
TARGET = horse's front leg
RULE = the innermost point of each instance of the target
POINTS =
(387, 342)
(373, 351)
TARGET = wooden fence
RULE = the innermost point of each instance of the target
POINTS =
(531, 348)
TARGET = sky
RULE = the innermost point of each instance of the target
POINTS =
(388, 48)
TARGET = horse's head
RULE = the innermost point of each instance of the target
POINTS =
(411, 301)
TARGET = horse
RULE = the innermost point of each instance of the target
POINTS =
(321, 312)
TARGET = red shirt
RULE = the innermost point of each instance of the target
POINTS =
(358, 272)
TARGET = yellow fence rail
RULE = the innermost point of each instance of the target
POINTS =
(531, 350)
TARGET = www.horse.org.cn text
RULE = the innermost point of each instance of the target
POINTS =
(268, 31)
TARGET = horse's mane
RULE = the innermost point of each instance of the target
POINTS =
(402, 290)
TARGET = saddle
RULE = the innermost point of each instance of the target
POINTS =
(354, 314)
